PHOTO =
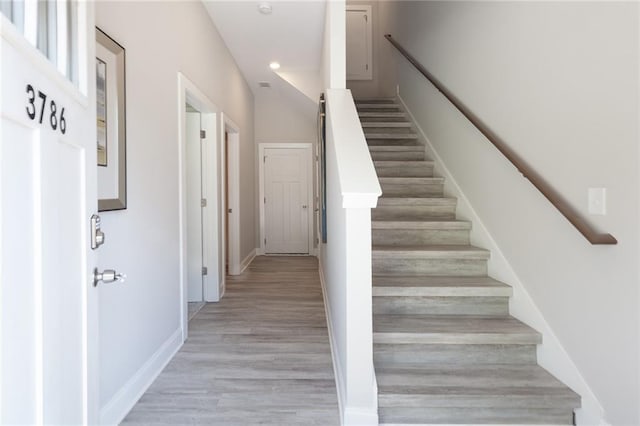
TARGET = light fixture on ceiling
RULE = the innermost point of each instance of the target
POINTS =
(274, 65)
(265, 8)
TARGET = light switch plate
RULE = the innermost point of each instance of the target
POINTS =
(598, 201)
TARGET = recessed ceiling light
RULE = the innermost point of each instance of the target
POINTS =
(265, 8)
(274, 65)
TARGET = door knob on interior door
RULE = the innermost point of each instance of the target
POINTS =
(304, 206)
(107, 276)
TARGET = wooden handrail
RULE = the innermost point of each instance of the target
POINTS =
(567, 210)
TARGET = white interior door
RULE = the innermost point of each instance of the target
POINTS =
(286, 203)
(194, 208)
(359, 43)
(47, 194)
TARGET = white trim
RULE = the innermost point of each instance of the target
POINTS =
(233, 187)
(551, 354)
(124, 400)
(308, 147)
(337, 368)
(188, 92)
(247, 260)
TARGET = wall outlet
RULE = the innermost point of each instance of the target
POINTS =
(597, 201)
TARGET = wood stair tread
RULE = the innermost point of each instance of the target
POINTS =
(416, 201)
(403, 163)
(389, 135)
(452, 329)
(410, 179)
(381, 114)
(375, 100)
(420, 224)
(503, 385)
(431, 251)
(394, 124)
(435, 286)
(416, 148)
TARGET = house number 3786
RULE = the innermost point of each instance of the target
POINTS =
(45, 110)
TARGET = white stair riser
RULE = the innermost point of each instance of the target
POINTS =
(495, 306)
(416, 237)
(450, 354)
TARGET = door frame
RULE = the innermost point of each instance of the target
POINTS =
(189, 93)
(233, 174)
(308, 151)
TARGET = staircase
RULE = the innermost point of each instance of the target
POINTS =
(446, 350)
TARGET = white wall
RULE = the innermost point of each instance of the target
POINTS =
(558, 81)
(140, 318)
(282, 117)
(333, 61)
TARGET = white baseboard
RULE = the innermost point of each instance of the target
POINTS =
(337, 368)
(123, 401)
(551, 354)
(247, 260)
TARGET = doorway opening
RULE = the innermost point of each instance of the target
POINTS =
(196, 268)
(230, 135)
(201, 204)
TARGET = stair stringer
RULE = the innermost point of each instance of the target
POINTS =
(551, 354)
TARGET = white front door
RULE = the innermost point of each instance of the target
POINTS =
(286, 200)
(48, 303)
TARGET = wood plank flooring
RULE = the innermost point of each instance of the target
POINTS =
(260, 356)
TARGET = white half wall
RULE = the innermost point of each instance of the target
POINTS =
(352, 190)
(544, 77)
(139, 316)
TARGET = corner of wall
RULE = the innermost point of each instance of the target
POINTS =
(551, 354)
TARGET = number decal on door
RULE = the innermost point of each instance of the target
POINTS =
(55, 121)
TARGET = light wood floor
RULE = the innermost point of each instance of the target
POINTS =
(260, 356)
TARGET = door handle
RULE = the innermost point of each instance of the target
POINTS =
(107, 276)
(304, 207)
(97, 236)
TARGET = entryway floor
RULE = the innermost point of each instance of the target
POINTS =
(194, 308)
(259, 356)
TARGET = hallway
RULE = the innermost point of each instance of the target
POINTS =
(260, 356)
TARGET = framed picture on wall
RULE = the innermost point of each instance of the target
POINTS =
(111, 123)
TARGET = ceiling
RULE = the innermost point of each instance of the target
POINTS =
(291, 35)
